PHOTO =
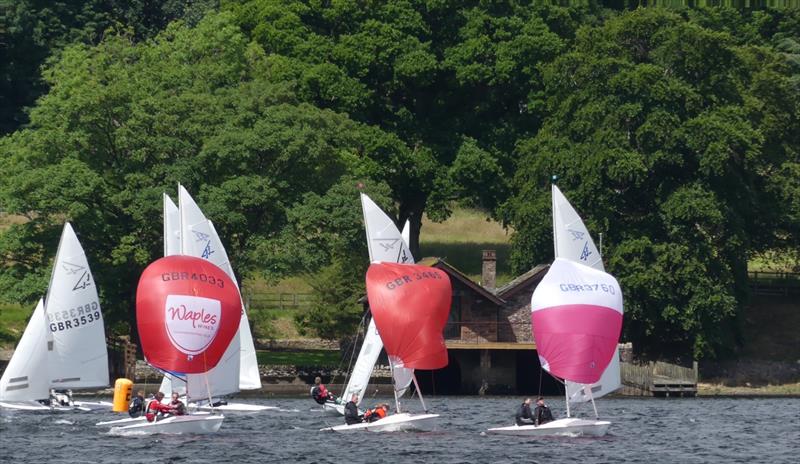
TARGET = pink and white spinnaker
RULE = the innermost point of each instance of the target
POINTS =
(576, 314)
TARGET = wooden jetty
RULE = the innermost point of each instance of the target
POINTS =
(659, 379)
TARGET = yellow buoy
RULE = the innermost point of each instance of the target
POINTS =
(122, 395)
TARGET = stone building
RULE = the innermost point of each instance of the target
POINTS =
(488, 335)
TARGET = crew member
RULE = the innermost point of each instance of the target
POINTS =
(351, 415)
(542, 414)
(61, 398)
(136, 408)
(177, 405)
(377, 413)
(524, 416)
(155, 409)
(321, 394)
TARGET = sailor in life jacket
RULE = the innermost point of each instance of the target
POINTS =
(377, 413)
(155, 409)
(136, 407)
(321, 394)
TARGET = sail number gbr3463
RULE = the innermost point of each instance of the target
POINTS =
(74, 317)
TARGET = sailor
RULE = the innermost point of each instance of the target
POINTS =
(377, 413)
(155, 410)
(351, 415)
(177, 405)
(524, 416)
(542, 414)
(136, 408)
(321, 394)
(61, 397)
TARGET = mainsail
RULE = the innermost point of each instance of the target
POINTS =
(203, 241)
(198, 240)
(172, 227)
(25, 377)
(385, 243)
(572, 241)
(76, 340)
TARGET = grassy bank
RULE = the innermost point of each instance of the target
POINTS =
(13, 318)
(707, 389)
(316, 358)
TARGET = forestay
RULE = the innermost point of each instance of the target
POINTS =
(25, 378)
(572, 241)
(76, 340)
(172, 227)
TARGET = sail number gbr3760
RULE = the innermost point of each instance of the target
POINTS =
(74, 317)
(588, 288)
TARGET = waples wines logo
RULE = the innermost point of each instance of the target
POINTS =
(192, 322)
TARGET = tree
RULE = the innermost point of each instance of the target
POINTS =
(35, 31)
(666, 139)
(458, 83)
(125, 121)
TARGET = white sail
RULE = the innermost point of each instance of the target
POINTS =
(76, 339)
(571, 240)
(196, 240)
(172, 384)
(172, 227)
(249, 377)
(385, 243)
(25, 377)
(406, 234)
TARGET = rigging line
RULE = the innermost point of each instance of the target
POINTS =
(353, 352)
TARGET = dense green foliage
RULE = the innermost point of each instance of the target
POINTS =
(673, 133)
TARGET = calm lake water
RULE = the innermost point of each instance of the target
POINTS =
(642, 431)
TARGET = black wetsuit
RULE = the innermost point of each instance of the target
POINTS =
(542, 415)
(351, 413)
(136, 407)
(524, 412)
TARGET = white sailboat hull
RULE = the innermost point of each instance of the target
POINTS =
(94, 405)
(395, 423)
(134, 420)
(24, 405)
(562, 427)
(332, 409)
(36, 406)
(191, 424)
(234, 407)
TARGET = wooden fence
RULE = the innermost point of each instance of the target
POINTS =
(278, 301)
(660, 378)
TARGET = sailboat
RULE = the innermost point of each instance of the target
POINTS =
(387, 244)
(410, 305)
(187, 313)
(188, 232)
(571, 240)
(574, 245)
(64, 344)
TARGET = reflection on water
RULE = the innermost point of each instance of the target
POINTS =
(642, 431)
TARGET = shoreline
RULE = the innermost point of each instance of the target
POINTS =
(272, 390)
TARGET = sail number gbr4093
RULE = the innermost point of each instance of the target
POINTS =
(74, 317)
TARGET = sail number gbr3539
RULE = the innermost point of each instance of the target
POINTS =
(74, 317)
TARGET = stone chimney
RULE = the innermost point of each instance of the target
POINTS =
(489, 270)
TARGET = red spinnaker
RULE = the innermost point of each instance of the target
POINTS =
(410, 304)
(187, 312)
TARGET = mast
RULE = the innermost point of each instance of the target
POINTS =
(394, 389)
(419, 392)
